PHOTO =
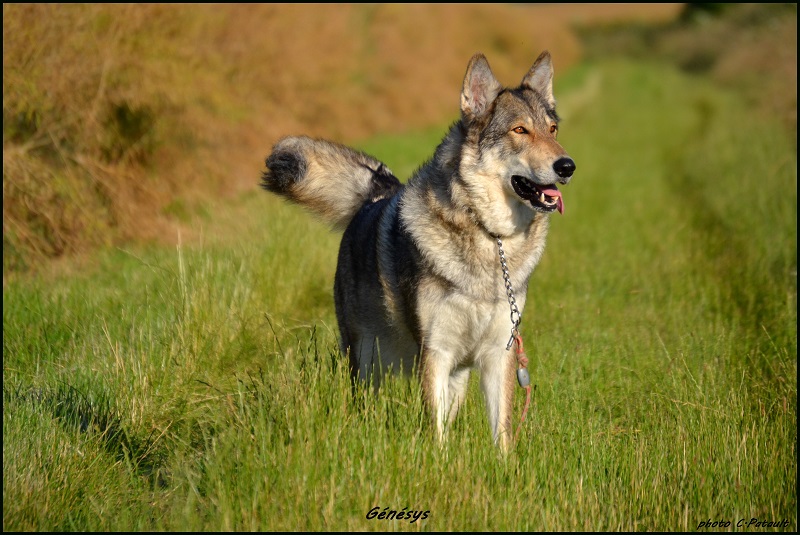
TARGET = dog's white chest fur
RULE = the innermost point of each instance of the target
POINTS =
(463, 330)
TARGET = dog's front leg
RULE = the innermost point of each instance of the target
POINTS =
(444, 387)
(497, 382)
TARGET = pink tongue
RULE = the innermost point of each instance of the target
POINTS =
(555, 193)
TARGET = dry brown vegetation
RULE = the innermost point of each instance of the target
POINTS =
(119, 120)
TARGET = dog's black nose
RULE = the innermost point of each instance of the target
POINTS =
(564, 167)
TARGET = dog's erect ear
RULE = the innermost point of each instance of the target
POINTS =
(540, 77)
(480, 88)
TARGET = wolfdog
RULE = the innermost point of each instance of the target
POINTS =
(427, 272)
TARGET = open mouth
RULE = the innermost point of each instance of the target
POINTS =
(545, 198)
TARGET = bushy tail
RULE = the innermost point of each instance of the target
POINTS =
(329, 179)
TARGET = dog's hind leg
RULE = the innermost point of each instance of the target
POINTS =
(364, 361)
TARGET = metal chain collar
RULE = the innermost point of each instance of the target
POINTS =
(516, 317)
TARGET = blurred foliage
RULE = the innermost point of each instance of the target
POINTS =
(696, 10)
(750, 47)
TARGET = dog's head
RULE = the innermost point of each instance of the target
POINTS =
(511, 135)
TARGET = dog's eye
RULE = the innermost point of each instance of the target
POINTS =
(553, 129)
(520, 130)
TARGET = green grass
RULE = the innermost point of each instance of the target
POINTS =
(201, 388)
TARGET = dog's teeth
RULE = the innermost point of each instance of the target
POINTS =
(547, 201)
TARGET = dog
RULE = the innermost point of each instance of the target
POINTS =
(433, 275)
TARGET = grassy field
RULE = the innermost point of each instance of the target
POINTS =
(200, 387)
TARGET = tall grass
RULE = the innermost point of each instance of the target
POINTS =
(200, 387)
